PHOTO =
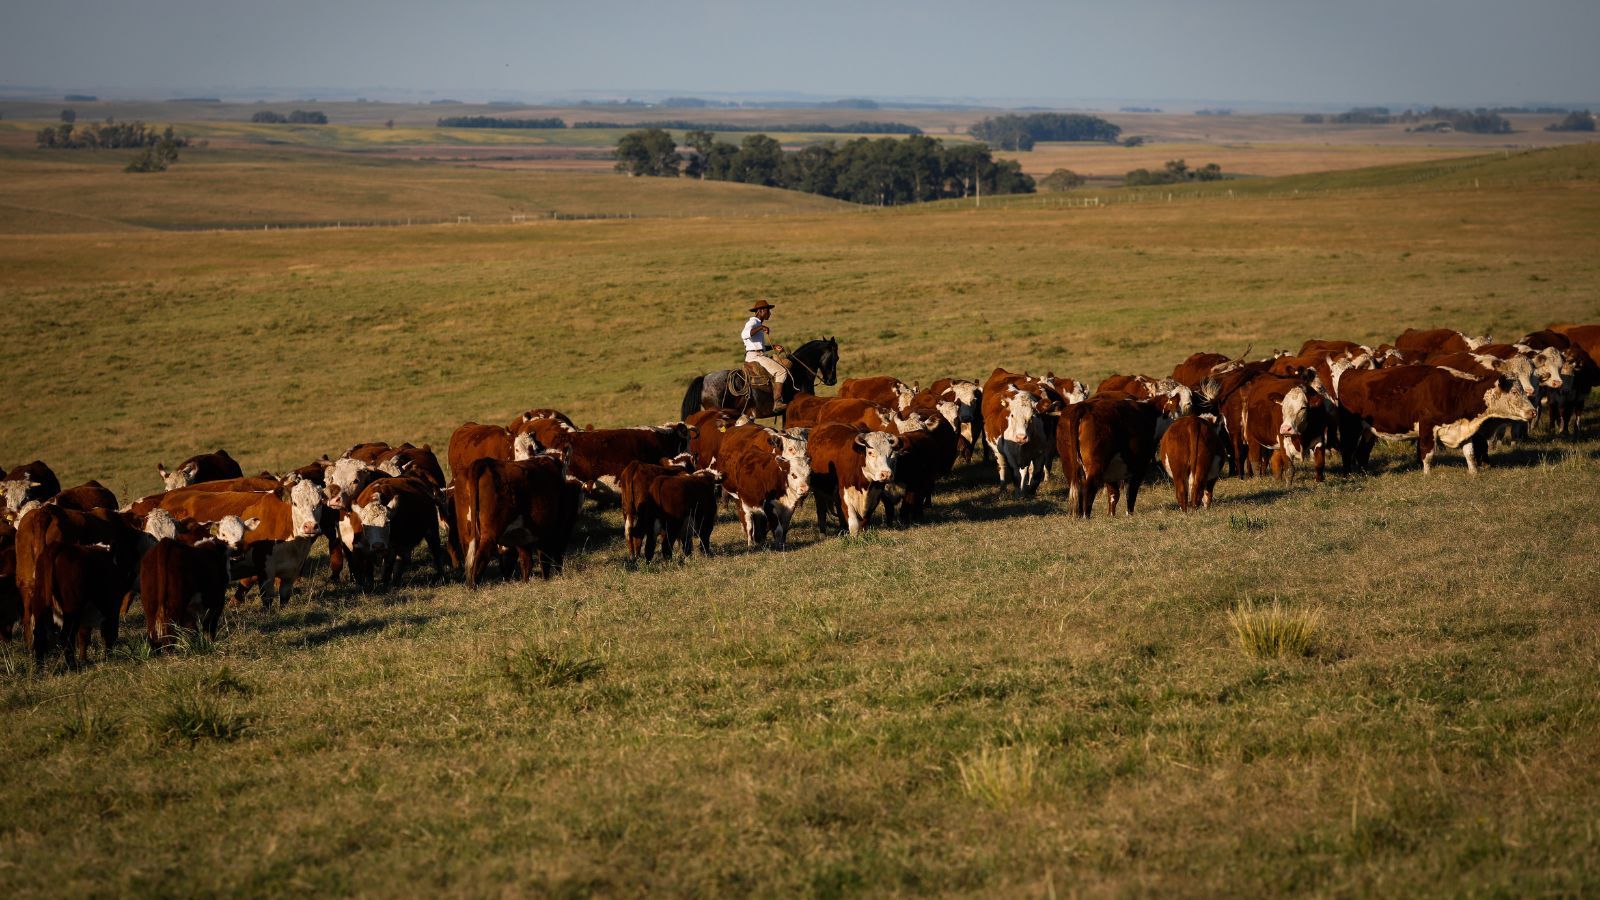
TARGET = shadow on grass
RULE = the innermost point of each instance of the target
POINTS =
(360, 627)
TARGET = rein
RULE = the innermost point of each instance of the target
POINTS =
(801, 363)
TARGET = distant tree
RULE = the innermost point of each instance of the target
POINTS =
(760, 157)
(1311, 119)
(156, 158)
(1176, 171)
(1013, 132)
(1061, 180)
(388, 123)
(267, 117)
(1133, 141)
(307, 117)
(648, 152)
(700, 143)
(1208, 172)
(69, 116)
(1577, 120)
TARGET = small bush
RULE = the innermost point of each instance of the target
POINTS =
(533, 669)
(136, 648)
(1246, 522)
(1000, 777)
(1273, 632)
(192, 717)
(192, 642)
(87, 723)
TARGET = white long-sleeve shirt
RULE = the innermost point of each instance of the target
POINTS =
(754, 340)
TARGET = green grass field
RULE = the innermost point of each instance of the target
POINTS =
(1003, 701)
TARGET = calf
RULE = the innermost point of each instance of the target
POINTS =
(686, 508)
(1105, 441)
(529, 506)
(183, 584)
(388, 520)
(640, 514)
(47, 524)
(1426, 405)
(927, 453)
(1192, 453)
(853, 466)
(204, 467)
(79, 588)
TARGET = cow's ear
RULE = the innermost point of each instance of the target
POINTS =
(394, 502)
(251, 523)
(860, 443)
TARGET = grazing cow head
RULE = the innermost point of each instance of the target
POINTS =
(1505, 400)
(231, 530)
(904, 394)
(1019, 410)
(181, 477)
(372, 519)
(160, 524)
(306, 506)
(879, 454)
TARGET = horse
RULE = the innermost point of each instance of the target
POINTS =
(809, 363)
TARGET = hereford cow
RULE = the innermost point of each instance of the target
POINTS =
(528, 506)
(852, 465)
(77, 590)
(46, 524)
(854, 411)
(472, 442)
(639, 514)
(183, 584)
(1105, 441)
(385, 524)
(30, 483)
(407, 461)
(802, 410)
(1016, 428)
(1191, 453)
(766, 488)
(1198, 367)
(1288, 417)
(89, 495)
(204, 467)
(598, 457)
(927, 453)
(275, 550)
(1423, 404)
(685, 507)
(541, 413)
(884, 390)
(1435, 340)
(10, 598)
(968, 398)
(706, 431)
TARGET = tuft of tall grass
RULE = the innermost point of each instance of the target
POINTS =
(533, 669)
(86, 722)
(191, 716)
(1246, 522)
(1274, 631)
(1000, 777)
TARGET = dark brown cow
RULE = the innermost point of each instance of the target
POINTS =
(707, 428)
(1198, 367)
(639, 511)
(857, 411)
(30, 483)
(10, 598)
(1423, 404)
(79, 589)
(968, 398)
(385, 524)
(407, 461)
(50, 524)
(1341, 349)
(203, 467)
(529, 506)
(686, 507)
(555, 415)
(884, 390)
(1287, 416)
(1434, 340)
(1105, 441)
(1192, 453)
(851, 465)
(802, 410)
(926, 454)
(86, 496)
(368, 452)
(472, 442)
(598, 457)
(766, 489)
(183, 584)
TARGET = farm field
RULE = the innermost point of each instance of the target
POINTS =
(1002, 701)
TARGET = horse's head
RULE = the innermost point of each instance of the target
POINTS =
(828, 363)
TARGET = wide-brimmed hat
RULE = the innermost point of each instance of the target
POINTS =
(760, 306)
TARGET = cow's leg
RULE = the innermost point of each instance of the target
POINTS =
(1425, 446)
(1469, 451)
(431, 536)
(999, 464)
(1280, 463)
(1131, 487)
(1180, 486)
(1319, 459)
(525, 562)
(335, 559)
(1113, 494)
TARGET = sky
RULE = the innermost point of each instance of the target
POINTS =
(1259, 51)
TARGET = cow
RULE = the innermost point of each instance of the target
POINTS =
(855, 411)
(529, 506)
(253, 484)
(1198, 367)
(78, 588)
(541, 413)
(1579, 346)
(766, 488)
(1016, 427)
(1106, 441)
(1287, 416)
(541, 430)
(183, 584)
(203, 467)
(598, 457)
(407, 461)
(852, 465)
(472, 442)
(276, 548)
(1424, 404)
(686, 508)
(707, 428)
(1191, 453)
(369, 452)
(968, 398)
(387, 521)
(30, 483)
(1434, 340)
(639, 513)
(802, 410)
(884, 390)
(89, 495)
(46, 524)
(10, 598)
(928, 452)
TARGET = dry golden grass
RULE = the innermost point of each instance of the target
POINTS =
(1004, 701)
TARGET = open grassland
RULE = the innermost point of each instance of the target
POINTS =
(1110, 162)
(1003, 701)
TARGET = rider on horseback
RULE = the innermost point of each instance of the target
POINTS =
(755, 336)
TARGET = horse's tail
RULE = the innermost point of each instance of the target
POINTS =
(691, 397)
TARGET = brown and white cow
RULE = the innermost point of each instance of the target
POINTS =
(598, 457)
(1434, 340)
(639, 514)
(1424, 404)
(1192, 453)
(78, 589)
(45, 524)
(1105, 441)
(275, 550)
(685, 507)
(856, 411)
(1017, 428)
(801, 412)
(384, 525)
(968, 399)
(884, 390)
(29, 483)
(852, 466)
(1197, 368)
(766, 488)
(707, 429)
(202, 467)
(472, 442)
(533, 415)
(1287, 417)
(10, 598)
(928, 451)
(529, 506)
(183, 584)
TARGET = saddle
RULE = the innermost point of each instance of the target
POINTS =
(751, 377)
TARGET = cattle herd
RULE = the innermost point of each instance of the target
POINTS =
(72, 561)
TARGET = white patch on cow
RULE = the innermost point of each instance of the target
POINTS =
(231, 530)
(1019, 409)
(879, 456)
(391, 467)
(610, 483)
(161, 525)
(903, 395)
(1498, 404)
(855, 508)
(1474, 343)
(524, 446)
(306, 508)
(343, 479)
(347, 532)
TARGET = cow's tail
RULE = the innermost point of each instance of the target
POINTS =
(1068, 451)
(44, 603)
(471, 530)
(691, 397)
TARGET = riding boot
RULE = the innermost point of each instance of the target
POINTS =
(778, 406)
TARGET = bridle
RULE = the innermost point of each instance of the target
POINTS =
(797, 361)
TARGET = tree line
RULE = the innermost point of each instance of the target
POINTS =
(1013, 132)
(1477, 121)
(725, 127)
(1176, 171)
(297, 117)
(1577, 120)
(108, 135)
(493, 122)
(882, 171)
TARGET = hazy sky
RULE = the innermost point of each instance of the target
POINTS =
(1246, 50)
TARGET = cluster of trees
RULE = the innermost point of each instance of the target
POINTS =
(1141, 109)
(1013, 132)
(882, 171)
(1176, 171)
(108, 135)
(492, 122)
(297, 117)
(1061, 180)
(1213, 112)
(1577, 120)
(682, 125)
(80, 98)
(1478, 121)
(157, 157)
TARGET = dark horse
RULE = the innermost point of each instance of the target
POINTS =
(809, 363)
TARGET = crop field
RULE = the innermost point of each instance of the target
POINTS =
(1001, 701)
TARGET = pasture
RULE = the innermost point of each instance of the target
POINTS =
(1002, 701)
